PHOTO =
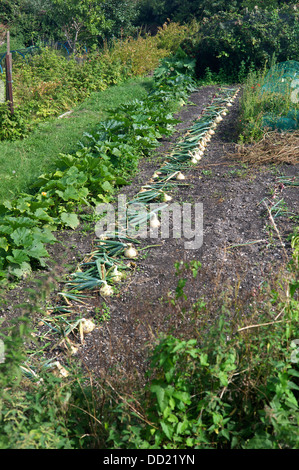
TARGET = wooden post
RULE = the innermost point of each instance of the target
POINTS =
(8, 67)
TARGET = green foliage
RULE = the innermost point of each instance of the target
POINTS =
(154, 12)
(12, 127)
(259, 102)
(228, 387)
(228, 39)
(38, 408)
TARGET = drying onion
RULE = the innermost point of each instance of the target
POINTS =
(87, 325)
(154, 221)
(117, 275)
(130, 251)
(106, 290)
(166, 197)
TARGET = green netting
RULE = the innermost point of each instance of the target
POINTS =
(282, 85)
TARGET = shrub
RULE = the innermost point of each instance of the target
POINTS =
(227, 40)
(13, 127)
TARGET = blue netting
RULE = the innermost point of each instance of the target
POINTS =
(282, 82)
(29, 51)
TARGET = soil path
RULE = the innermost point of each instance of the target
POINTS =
(233, 214)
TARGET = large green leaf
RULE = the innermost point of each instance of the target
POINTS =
(70, 219)
(37, 251)
(4, 243)
(18, 257)
(22, 270)
(22, 236)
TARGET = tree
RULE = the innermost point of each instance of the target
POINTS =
(157, 11)
(84, 19)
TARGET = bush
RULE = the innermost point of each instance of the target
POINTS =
(227, 40)
(12, 127)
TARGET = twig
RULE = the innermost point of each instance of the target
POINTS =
(275, 228)
(262, 324)
(245, 244)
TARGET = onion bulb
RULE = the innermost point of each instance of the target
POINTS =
(73, 349)
(87, 325)
(106, 290)
(166, 197)
(130, 251)
(117, 275)
(180, 176)
(154, 221)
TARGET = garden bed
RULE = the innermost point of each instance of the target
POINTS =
(241, 253)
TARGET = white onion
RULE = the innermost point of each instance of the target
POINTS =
(106, 290)
(166, 197)
(117, 275)
(87, 325)
(130, 252)
(154, 221)
(180, 176)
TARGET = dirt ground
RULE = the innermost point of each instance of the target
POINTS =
(234, 213)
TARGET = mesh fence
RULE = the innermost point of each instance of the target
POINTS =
(281, 85)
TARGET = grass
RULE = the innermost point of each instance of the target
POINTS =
(21, 162)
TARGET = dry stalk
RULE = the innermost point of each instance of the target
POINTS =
(274, 147)
(276, 229)
(262, 324)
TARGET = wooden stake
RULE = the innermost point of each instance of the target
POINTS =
(8, 67)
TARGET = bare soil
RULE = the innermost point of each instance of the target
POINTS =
(240, 254)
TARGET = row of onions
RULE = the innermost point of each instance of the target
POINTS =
(114, 253)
